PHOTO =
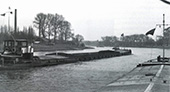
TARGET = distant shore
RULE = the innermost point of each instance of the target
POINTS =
(159, 47)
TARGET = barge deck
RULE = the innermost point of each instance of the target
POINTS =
(150, 76)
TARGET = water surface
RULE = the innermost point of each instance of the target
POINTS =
(75, 77)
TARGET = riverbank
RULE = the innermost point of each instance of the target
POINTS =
(58, 47)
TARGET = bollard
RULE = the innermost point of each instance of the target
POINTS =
(150, 79)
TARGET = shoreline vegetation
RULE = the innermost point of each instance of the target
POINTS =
(60, 47)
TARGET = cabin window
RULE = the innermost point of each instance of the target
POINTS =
(16, 43)
(24, 44)
(12, 43)
(9, 44)
(6, 43)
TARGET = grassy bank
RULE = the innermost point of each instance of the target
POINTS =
(40, 47)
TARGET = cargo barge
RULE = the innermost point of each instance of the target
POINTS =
(18, 54)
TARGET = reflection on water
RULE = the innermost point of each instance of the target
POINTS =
(76, 77)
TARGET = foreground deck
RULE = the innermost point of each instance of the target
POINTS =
(150, 77)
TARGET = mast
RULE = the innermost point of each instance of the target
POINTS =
(163, 36)
(15, 22)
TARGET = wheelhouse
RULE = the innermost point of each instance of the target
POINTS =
(18, 46)
(17, 43)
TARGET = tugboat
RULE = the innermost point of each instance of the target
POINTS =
(17, 54)
(16, 51)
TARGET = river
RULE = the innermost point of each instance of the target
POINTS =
(76, 77)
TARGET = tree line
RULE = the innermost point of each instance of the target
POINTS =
(54, 27)
(135, 40)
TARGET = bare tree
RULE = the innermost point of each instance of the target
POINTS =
(66, 30)
(49, 21)
(53, 26)
(57, 20)
(40, 24)
(78, 39)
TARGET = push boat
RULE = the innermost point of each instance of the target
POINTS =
(17, 54)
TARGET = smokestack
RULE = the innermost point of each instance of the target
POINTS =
(15, 21)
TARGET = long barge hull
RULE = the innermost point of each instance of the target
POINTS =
(57, 58)
(150, 76)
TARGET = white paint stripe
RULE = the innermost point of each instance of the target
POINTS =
(148, 89)
(159, 72)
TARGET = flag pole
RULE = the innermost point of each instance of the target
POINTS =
(163, 36)
(10, 12)
(123, 42)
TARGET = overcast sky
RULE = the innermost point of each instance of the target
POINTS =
(93, 18)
